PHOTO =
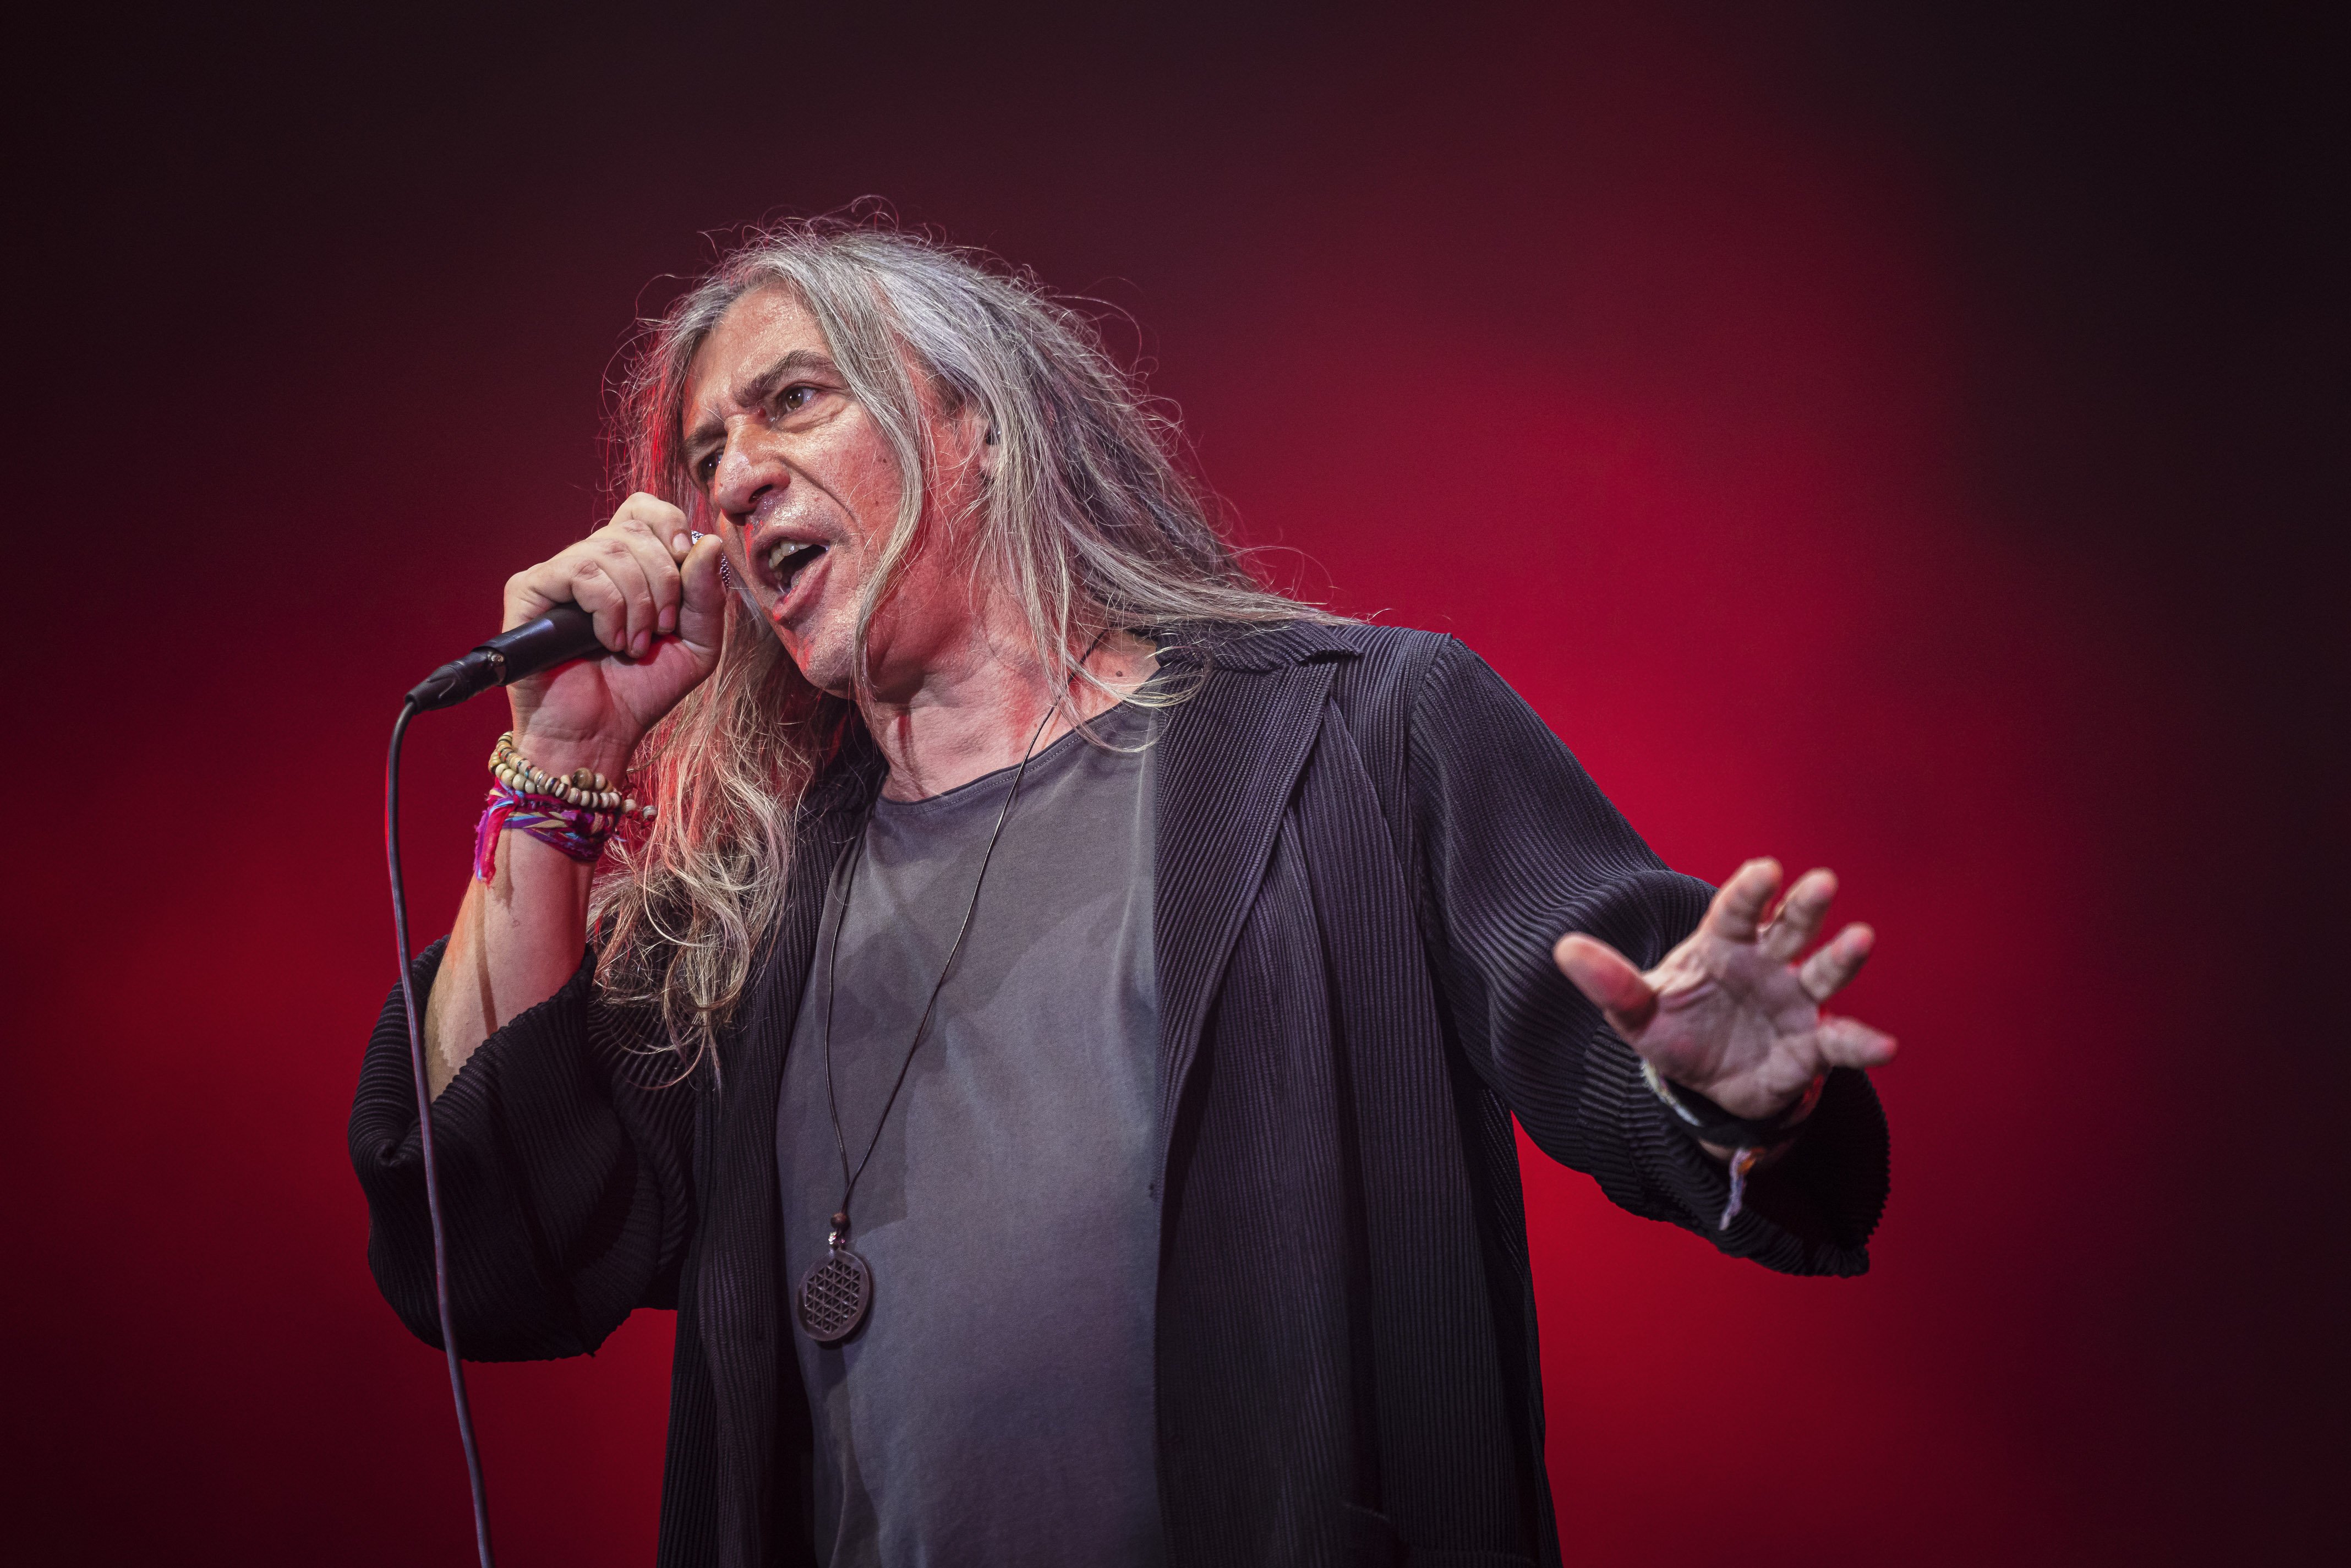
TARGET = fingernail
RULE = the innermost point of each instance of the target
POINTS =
(637, 649)
(681, 544)
(668, 621)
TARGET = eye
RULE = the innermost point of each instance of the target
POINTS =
(705, 467)
(794, 398)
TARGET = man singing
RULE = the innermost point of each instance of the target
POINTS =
(1046, 1011)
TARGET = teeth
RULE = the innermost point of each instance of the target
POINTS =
(803, 555)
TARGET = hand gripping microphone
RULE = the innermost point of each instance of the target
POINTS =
(563, 633)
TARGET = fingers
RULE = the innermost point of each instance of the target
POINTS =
(657, 534)
(594, 590)
(531, 592)
(625, 575)
(1831, 969)
(1798, 919)
(1739, 904)
(611, 553)
(1738, 907)
(701, 613)
(1849, 1043)
(657, 518)
(1609, 979)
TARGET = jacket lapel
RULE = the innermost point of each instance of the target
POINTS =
(1228, 760)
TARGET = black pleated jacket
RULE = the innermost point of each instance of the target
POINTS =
(1367, 845)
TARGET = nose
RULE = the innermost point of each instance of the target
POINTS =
(748, 471)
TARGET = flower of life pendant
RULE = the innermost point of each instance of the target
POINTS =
(835, 1293)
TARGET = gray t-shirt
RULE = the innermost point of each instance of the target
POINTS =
(995, 1406)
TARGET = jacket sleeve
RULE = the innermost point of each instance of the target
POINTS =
(1516, 847)
(566, 1167)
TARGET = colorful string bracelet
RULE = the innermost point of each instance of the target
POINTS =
(575, 814)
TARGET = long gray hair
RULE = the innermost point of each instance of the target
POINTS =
(1090, 522)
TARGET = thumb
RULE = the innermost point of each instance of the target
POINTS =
(701, 613)
(1608, 979)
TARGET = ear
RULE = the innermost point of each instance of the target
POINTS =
(980, 439)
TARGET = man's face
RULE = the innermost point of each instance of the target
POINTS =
(807, 493)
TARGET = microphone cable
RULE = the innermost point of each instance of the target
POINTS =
(425, 1129)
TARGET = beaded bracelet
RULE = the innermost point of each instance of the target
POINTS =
(582, 788)
(576, 815)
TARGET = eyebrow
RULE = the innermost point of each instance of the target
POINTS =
(761, 387)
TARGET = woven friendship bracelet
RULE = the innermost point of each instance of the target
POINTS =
(577, 814)
(579, 833)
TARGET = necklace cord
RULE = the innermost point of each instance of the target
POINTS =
(832, 964)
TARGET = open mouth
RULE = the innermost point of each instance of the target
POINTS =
(788, 559)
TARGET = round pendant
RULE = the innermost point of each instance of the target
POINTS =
(833, 1296)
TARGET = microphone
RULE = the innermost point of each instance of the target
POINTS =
(562, 634)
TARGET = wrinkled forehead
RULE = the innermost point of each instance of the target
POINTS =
(760, 331)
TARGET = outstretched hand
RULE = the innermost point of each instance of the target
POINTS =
(1729, 1012)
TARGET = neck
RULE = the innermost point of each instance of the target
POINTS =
(975, 710)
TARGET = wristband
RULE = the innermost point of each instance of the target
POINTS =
(1708, 1123)
(1748, 1140)
(576, 814)
(577, 831)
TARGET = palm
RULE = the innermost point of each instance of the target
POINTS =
(613, 696)
(1731, 1012)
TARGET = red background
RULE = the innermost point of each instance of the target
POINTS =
(1910, 445)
